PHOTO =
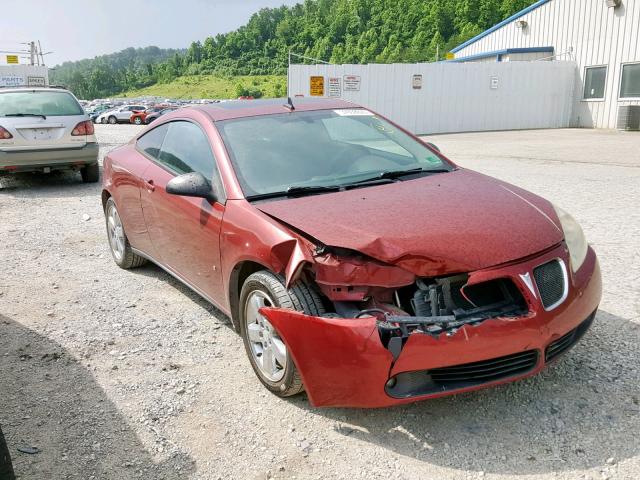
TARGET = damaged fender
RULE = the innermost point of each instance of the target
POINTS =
(332, 355)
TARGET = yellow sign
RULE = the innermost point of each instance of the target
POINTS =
(12, 59)
(316, 86)
(451, 56)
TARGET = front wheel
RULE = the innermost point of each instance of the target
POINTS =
(137, 121)
(113, 120)
(267, 352)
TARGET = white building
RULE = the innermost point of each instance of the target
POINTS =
(601, 36)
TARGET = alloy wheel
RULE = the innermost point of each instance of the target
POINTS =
(267, 348)
(116, 233)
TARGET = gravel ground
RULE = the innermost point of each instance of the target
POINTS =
(128, 375)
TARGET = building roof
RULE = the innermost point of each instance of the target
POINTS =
(516, 16)
(506, 51)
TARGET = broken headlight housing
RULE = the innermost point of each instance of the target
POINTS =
(574, 238)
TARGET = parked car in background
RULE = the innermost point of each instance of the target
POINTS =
(120, 114)
(95, 112)
(356, 261)
(45, 129)
(139, 118)
(154, 116)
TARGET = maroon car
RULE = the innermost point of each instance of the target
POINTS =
(355, 260)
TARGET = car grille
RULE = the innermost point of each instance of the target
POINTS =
(551, 281)
(564, 343)
(445, 379)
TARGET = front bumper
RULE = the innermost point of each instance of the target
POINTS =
(343, 362)
(55, 158)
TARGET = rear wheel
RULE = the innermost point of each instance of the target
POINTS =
(113, 120)
(121, 251)
(266, 350)
(137, 121)
(90, 173)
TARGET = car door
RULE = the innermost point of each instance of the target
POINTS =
(129, 183)
(186, 230)
(123, 114)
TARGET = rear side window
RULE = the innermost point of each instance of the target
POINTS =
(186, 149)
(151, 141)
(39, 102)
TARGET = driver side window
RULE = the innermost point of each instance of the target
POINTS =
(186, 149)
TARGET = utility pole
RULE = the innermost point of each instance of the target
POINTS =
(33, 53)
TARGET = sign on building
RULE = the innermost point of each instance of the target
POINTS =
(36, 81)
(352, 83)
(316, 86)
(494, 83)
(12, 59)
(335, 87)
(417, 82)
(11, 80)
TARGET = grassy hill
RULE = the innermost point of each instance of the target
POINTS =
(211, 86)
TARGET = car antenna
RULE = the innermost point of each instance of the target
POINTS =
(289, 104)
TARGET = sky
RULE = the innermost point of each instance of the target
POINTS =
(74, 29)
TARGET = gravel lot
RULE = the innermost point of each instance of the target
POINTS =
(127, 375)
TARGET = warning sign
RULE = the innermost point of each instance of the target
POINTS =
(335, 87)
(351, 83)
(316, 86)
(12, 59)
(417, 82)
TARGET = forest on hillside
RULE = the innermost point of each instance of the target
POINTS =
(337, 31)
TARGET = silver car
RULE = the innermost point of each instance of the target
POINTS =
(45, 129)
(120, 114)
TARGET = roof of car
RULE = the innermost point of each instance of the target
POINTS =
(250, 108)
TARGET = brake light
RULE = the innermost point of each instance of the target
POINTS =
(5, 134)
(83, 128)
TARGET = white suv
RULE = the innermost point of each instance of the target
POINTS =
(44, 129)
(120, 114)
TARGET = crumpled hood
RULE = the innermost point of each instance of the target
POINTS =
(446, 223)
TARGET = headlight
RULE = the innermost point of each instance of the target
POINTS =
(574, 237)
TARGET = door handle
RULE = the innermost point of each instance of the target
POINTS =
(150, 185)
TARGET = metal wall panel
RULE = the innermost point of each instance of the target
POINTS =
(586, 31)
(456, 97)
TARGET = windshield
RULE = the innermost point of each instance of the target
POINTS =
(39, 102)
(274, 153)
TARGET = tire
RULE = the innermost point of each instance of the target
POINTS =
(103, 120)
(271, 289)
(122, 254)
(113, 120)
(137, 121)
(90, 173)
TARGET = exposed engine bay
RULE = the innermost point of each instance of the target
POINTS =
(403, 304)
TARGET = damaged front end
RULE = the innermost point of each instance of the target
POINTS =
(391, 337)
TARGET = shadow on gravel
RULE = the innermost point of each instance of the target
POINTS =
(577, 414)
(50, 401)
(153, 271)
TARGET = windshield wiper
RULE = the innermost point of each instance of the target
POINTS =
(26, 115)
(393, 174)
(304, 190)
(296, 191)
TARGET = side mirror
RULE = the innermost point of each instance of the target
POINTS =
(432, 145)
(191, 185)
